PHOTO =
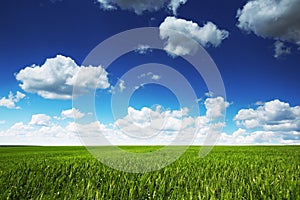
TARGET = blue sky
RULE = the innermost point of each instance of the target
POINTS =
(256, 53)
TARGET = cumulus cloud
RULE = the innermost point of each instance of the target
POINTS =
(272, 116)
(141, 6)
(120, 86)
(280, 49)
(146, 122)
(183, 36)
(215, 107)
(242, 137)
(144, 126)
(157, 125)
(175, 4)
(246, 137)
(72, 113)
(272, 19)
(273, 122)
(56, 78)
(11, 100)
(31, 134)
(40, 120)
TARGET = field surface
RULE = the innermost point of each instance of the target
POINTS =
(255, 172)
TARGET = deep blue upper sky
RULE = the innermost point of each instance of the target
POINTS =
(34, 30)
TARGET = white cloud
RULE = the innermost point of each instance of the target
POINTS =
(272, 116)
(272, 19)
(152, 76)
(209, 94)
(183, 36)
(143, 49)
(72, 113)
(242, 137)
(30, 134)
(215, 107)
(159, 126)
(261, 137)
(280, 49)
(11, 101)
(141, 6)
(39, 131)
(175, 4)
(273, 122)
(145, 126)
(155, 77)
(56, 78)
(2, 121)
(40, 120)
(121, 85)
(259, 103)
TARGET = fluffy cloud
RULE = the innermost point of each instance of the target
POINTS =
(145, 126)
(272, 19)
(119, 87)
(183, 36)
(41, 130)
(215, 107)
(30, 134)
(40, 120)
(141, 6)
(158, 126)
(175, 4)
(244, 137)
(274, 122)
(146, 122)
(280, 49)
(272, 116)
(56, 78)
(12, 99)
(72, 113)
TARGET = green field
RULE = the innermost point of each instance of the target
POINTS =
(248, 172)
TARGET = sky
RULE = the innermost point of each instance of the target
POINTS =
(149, 72)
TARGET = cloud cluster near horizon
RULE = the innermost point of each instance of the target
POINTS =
(145, 126)
(274, 122)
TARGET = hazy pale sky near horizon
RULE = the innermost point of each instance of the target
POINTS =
(254, 44)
